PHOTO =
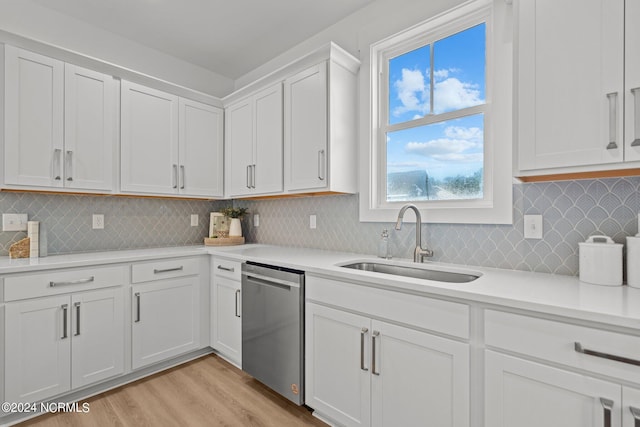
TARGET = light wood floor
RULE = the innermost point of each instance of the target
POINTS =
(205, 392)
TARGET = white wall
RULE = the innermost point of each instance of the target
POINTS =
(380, 19)
(32, 21)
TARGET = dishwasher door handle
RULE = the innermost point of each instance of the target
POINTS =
(270, 281)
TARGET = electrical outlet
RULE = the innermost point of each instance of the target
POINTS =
(14, 222)
(98, 221)
(312, 222)
(533, 226)
(194, 220)
(256, 220)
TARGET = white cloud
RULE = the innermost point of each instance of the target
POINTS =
(411, 92)
(449, 93)
(440, 146)
(452, 94)
(459, 145)
(459, 132)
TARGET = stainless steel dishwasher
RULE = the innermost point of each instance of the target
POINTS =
(273, 328)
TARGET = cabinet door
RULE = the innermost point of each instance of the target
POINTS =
(37, 349)
(267, 160)
(630, 407)
(97, 325)
(419, 379)
(570, 89)
(149, 140)
(632, 81)
(226, 318)
(166, 320)
(33, 119)
(239, 147)
(90, 126)
(527, 394)
(201, 149)
(337, 353)
(305, 129)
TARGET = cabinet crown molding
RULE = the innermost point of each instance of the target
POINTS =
(329, 51)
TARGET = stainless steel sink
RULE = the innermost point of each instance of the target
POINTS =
(418, 273)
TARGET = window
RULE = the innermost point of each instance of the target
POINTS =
(432, 135)
(434, 127)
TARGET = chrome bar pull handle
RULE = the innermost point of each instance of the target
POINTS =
(72, 282)
(57, 153)
(175, 177)
(229, 269)
(68, 165)
(607, 404)
(167, 270)
(578, 348)
(363, 332)
(613, 119)
(375, 335)
(237, 303)
(635, 413)
(321, 165)
(253, 176)
(182, 177)
(636, 116)
(77, 306)
(65, 308)
(137, 295)
(248, 176)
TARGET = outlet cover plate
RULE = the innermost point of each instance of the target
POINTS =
(533, 226)
(14, 222)
(98, 221)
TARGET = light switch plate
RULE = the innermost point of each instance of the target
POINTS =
(312, 222)
(533, 226)
(256, 220)
(14, 222)
(194, 220)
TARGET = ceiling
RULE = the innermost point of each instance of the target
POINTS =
(228, 37)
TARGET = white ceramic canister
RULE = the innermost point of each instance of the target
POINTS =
(633, 261)
(601, 261)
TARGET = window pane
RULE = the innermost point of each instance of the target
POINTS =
(409, 85)
(441, 161)
(459, 70)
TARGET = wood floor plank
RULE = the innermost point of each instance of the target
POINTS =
(205, 392)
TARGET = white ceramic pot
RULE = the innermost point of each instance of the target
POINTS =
(235, 228)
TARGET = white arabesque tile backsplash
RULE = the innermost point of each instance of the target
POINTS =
(572, 211)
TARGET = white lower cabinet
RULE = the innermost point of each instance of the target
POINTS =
(630, 407)
(361, 372)
(166, 319)
(61, 342)
(528, 394)
(226, 310)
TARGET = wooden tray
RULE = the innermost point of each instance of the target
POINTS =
(223, 241)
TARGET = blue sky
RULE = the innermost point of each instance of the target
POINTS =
(446, 148)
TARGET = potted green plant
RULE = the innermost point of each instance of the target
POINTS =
(235, 227)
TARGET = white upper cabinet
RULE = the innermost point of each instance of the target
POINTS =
(90, 129)
(320, 126)
(59, 124)
(149, 140)
(201, 149)
(571, 84)
(306, 129)
(298, 135)
(254, 143)
(169, 145)
(632, 81)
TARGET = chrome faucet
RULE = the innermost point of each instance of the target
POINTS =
(418, 253)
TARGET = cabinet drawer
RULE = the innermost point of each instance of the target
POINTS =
(165, 269)
(226, 268)
(556, 342)
(61, 282)
(436, 315)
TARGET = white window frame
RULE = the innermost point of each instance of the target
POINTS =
(496, 205)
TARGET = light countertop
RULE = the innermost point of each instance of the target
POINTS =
(544, 293)
(540, 292)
